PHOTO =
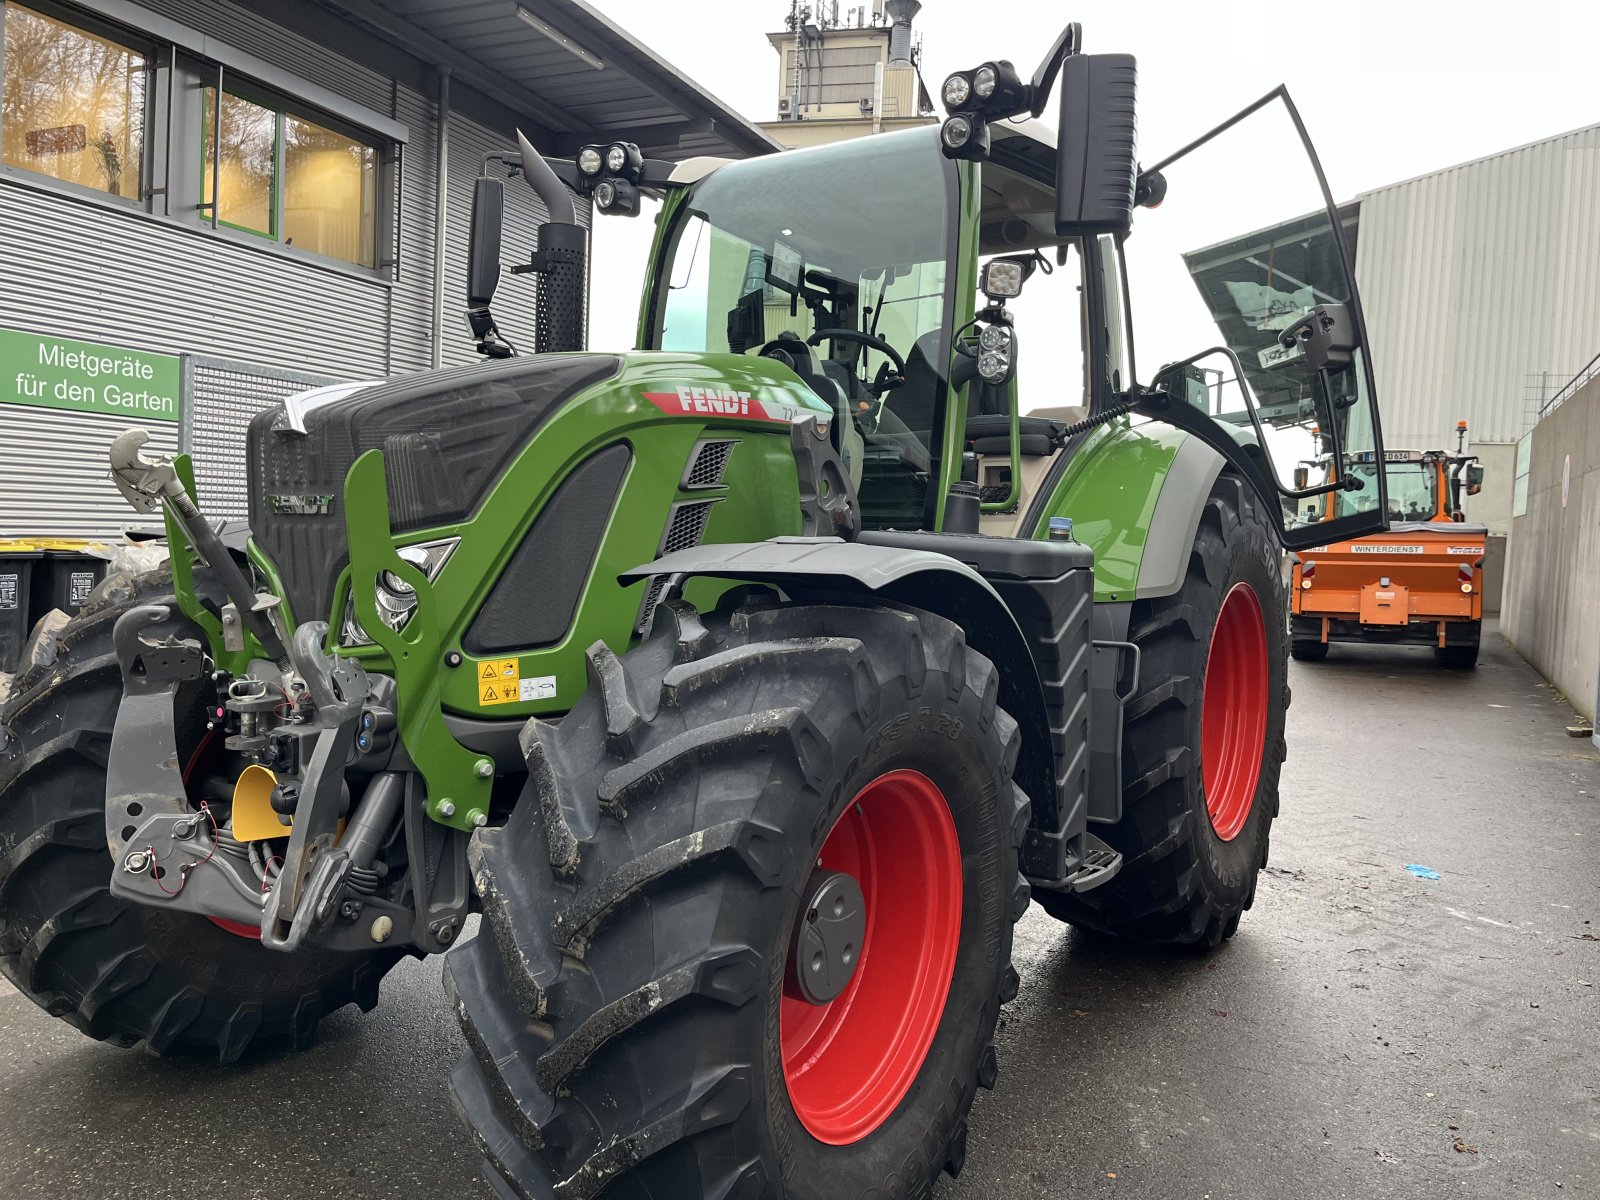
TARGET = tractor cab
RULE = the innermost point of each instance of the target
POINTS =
(969, 322)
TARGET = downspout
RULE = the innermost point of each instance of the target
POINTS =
(441, 211)
(877, 96)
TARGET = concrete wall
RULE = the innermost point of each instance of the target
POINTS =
(1492, 508)
(1552, 595)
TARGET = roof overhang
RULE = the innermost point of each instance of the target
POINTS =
(568, 73)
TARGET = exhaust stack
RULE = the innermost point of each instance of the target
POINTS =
(559, 258)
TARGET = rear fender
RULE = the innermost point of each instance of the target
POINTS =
(821, 567)
(1135, 495)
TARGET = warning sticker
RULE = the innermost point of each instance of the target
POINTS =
(500, 682)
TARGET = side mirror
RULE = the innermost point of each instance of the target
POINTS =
(1302, 478)
(483, 243)
(1096, 155)
(1474, 478)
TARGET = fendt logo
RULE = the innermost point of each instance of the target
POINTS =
(717, 402)
(723, 402)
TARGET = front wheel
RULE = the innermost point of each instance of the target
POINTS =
(128, 973)
(1203, 740)
(748, 931)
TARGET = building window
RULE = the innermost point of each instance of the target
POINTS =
(290, 179)
(74, 104)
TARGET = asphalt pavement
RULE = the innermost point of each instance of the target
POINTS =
(1368, 1034)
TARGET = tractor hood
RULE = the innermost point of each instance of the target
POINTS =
(446, 436)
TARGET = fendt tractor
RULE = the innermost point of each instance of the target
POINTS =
(1419, 584)
(747, 683)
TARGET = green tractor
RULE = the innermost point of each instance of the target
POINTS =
(747, 684)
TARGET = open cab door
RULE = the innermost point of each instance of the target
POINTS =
(1244, 288)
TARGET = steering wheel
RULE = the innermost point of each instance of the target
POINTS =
(884, 382)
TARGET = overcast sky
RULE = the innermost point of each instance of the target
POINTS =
(1388, 88)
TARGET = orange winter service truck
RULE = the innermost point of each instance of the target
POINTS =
(1419, 584)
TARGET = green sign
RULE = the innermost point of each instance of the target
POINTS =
(50, 372)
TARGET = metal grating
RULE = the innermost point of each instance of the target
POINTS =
(647, 610)
(223, 396)
(685, 527)
(707, 464)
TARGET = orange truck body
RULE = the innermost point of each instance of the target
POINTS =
(1420, 583)
(1407, 585)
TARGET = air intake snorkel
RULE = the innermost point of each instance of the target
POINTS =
(558, 306)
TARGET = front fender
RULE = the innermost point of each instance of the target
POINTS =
(920, 579)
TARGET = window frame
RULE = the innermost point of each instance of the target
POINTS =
(94, 26)
(387, 153)
(180, 63)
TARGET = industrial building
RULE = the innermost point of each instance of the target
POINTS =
(1481, 288)
(849, 73)
(207, 206)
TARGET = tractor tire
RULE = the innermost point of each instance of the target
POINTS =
(1203, 742)
(634, 1017)
(1462, 657)
(1308, 651)
(126, 973)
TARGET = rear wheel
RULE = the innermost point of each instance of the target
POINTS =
(748, 931)
(118, 972)
(1460, 657)
(1308, 651)
(1203, 740)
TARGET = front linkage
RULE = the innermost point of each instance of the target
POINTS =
(313, 737)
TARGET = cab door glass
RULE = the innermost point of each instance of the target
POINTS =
(1247, 310)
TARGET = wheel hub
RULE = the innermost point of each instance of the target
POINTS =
(894, 860)
(827, 941)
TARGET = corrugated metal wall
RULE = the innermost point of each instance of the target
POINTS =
(1476, 278)
(54, 475)
(83, 269)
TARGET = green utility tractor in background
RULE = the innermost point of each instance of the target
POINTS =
(747, 683)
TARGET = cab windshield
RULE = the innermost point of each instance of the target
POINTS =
(855, 236)
(1412, 496)
(1412, 488)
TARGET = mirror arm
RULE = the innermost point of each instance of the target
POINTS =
(1068, 43)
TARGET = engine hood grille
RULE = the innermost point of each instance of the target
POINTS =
(446, 437)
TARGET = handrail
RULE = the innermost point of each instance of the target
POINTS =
(1572, 385)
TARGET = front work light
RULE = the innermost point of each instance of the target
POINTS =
(616, 197)
(590, 160)
(624, 160)
(1002, 279)
(965, 135)
(955, 93)
(995, 358)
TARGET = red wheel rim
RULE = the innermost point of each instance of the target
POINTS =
(1233, 715)
(849, 1063)
(237, 928)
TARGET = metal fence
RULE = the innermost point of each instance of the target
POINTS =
(220, 397)
(1577, 381)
